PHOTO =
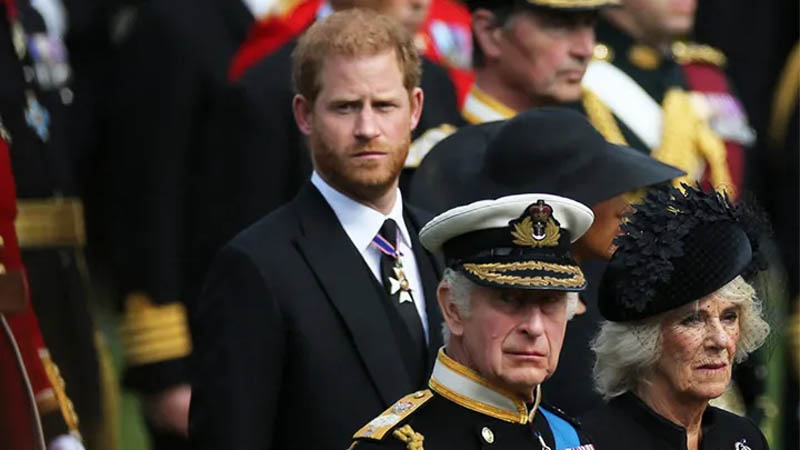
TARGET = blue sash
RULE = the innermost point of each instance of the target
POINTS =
(564, 433)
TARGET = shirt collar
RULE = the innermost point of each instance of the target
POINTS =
(360, 222)
(261, 8)
(465, 387)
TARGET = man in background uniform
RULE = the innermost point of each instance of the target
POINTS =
(510, 287)
(34, 410)
(666, 97)
(164, 207)
(35, 107)
(526, 54)
(444, 37)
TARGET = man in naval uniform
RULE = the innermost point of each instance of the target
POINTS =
(510, 286)
(526, 54)
(665, 97)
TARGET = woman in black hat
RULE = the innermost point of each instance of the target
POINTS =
(679, 314)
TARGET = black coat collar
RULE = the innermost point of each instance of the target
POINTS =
(666, 430)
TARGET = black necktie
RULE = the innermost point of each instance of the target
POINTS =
(397, 285)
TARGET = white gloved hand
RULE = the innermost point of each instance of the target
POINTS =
(65, 442)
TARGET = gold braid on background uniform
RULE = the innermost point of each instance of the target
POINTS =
(685, 138)
(412, 439)
(602, 118)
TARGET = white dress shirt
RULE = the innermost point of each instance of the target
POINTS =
(362, 223)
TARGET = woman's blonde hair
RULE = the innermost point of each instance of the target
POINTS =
(624, 351)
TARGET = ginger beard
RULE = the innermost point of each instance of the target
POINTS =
(359, 126)
(361, 177)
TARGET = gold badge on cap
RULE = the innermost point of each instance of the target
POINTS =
(536, 227)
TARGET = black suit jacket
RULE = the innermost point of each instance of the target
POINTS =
(294, 347)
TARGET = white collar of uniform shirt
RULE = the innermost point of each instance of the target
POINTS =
(362, 223)
(261, 9)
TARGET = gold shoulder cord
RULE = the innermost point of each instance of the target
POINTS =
(59, 388)
(412, 439)
(601, 117)
(786, 97)
(685, 137)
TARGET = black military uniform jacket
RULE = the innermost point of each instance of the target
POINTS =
(37, 118)
(462, 410)
(296, 343)
(638, 96)
(166, 202)
(628, 423)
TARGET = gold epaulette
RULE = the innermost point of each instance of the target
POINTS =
(378, 427)
(411, 438)
(423, 144)
(690, 52)
(153, 333)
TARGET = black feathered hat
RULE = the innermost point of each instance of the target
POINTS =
(678, 247)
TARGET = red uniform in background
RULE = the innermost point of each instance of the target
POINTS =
(17, 425)
(705, 77)
(270, 33)
(445, 38)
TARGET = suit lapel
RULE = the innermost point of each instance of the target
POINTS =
(430, 270)
(346, 280)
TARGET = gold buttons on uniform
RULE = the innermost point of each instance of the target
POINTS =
(644, 57)
(602, 52)
(487, 435)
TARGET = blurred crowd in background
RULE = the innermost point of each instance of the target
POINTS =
(144, 134)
